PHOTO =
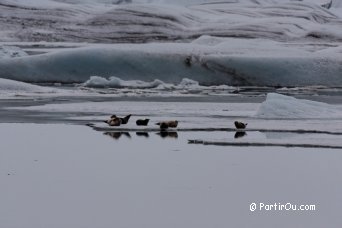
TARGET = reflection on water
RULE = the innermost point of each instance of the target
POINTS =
(163, 134)
(232, 138)
(168, 134)
(117, 135)
(240, 134)
(142, 134)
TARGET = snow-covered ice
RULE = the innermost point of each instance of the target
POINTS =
(278, 113)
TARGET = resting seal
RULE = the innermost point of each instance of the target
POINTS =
(142, 122)
(113, 121)
(167, 124)
(240, 125)
(125, 119)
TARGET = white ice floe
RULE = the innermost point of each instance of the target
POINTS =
(156, 109)
(281, 106)
(204, 115)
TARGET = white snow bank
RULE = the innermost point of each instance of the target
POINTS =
(281, 106)
(11, 52)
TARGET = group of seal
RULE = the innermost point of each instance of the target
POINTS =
(117, 121)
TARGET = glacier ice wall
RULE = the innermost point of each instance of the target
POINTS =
(208, 60)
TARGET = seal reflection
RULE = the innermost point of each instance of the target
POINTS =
(240, 134)
(168, 134)
(116, 135)
(142, 134)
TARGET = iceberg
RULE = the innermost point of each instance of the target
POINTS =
(207, 60)
(279, 106)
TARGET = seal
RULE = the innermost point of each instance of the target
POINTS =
(163, 125)
(113, 121)
(141, 122)
(240, 125)
(125, 119)
(167, 124)
(173, 124)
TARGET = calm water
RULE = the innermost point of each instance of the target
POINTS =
(73, 176)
